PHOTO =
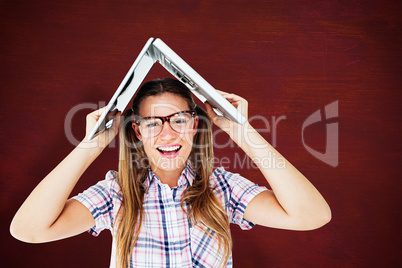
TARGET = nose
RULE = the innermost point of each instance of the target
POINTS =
(167, 132)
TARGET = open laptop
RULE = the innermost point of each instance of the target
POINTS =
(158, 51)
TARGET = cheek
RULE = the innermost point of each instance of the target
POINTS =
(147, 145)
(188, 139)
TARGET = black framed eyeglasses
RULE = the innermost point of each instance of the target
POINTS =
(180, 122)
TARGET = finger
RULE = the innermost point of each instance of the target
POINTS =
(227, 93)
(210, 110)
(243, 108)
(116, 124)
(116, 120)
(99, 111)
(230, 96)
(222, 92)
(238, 102)
(234, 101)
(95, 115)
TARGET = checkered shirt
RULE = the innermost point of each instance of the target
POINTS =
(167, 237)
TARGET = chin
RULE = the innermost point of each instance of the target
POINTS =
(171, 164)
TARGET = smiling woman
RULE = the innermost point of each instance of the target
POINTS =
(169, 102)
(167, 206)
(174, 132)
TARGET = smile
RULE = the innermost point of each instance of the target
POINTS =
(169, 151)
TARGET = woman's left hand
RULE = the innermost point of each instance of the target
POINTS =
(294, 203)
(230, 127)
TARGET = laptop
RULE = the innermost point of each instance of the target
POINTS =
(155, 50)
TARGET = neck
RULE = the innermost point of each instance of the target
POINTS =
(169, 177)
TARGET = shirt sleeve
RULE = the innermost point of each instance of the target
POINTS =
(101, 200)
(240, 192)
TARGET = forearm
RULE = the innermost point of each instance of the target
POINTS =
(44, 205)
(297, 196)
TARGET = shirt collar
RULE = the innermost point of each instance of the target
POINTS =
(186, 176)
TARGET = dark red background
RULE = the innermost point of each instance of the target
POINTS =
(285, 57)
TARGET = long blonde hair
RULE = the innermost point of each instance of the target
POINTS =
(204, 208)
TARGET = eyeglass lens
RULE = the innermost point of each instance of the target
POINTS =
(181, 123)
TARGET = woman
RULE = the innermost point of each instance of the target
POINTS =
(167, 207)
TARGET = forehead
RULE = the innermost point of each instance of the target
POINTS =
(162, 105)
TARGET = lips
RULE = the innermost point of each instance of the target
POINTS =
(169, 148)
(170, 151)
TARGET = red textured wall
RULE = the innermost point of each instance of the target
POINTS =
(287, 58)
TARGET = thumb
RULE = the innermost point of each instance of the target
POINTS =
(210, 111)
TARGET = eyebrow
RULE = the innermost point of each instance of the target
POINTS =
(183, 111)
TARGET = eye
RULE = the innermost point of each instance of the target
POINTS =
(151, 123)
(180, 120)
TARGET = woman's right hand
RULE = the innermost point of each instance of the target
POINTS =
(39, 220)
(103, 139)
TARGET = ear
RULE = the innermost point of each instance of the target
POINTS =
(137, 131)
(195, 127)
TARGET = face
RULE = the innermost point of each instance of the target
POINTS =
(169, 150)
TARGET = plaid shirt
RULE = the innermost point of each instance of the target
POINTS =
(167, 238)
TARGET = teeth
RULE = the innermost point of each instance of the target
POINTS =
(169, 148)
